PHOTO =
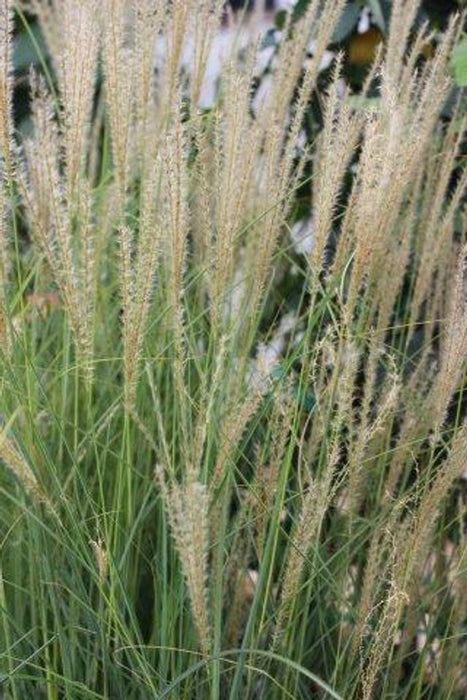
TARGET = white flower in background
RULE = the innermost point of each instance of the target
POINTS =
(326, 60)
(236, 35)
(264, 58)
(285, 4)
(302, 141)
(364, 21)
(269, 354)
(262, 94)
(234, 304)
(431, 650)
(302, 236)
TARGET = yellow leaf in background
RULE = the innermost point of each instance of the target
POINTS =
(362, 47)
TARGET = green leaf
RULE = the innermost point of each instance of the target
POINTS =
(347, 23)
(359, 102)
(288, 663)
(25, 53)
(280, 19)
(378, 14)
(459, 62)
(300, 9)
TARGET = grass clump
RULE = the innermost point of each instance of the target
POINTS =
(231, 466)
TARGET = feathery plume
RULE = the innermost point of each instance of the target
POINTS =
(100, 554)
(232, 428)
(77, 75)
(187, 509)
(66, 243)
(454, 347)
(13, 458)
(119, 83)
(334, 151)
(138, 264)
(6, 85)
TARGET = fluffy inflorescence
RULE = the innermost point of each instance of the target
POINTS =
(306, 401)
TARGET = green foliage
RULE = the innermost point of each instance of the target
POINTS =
(203, 498)
(459, 62)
